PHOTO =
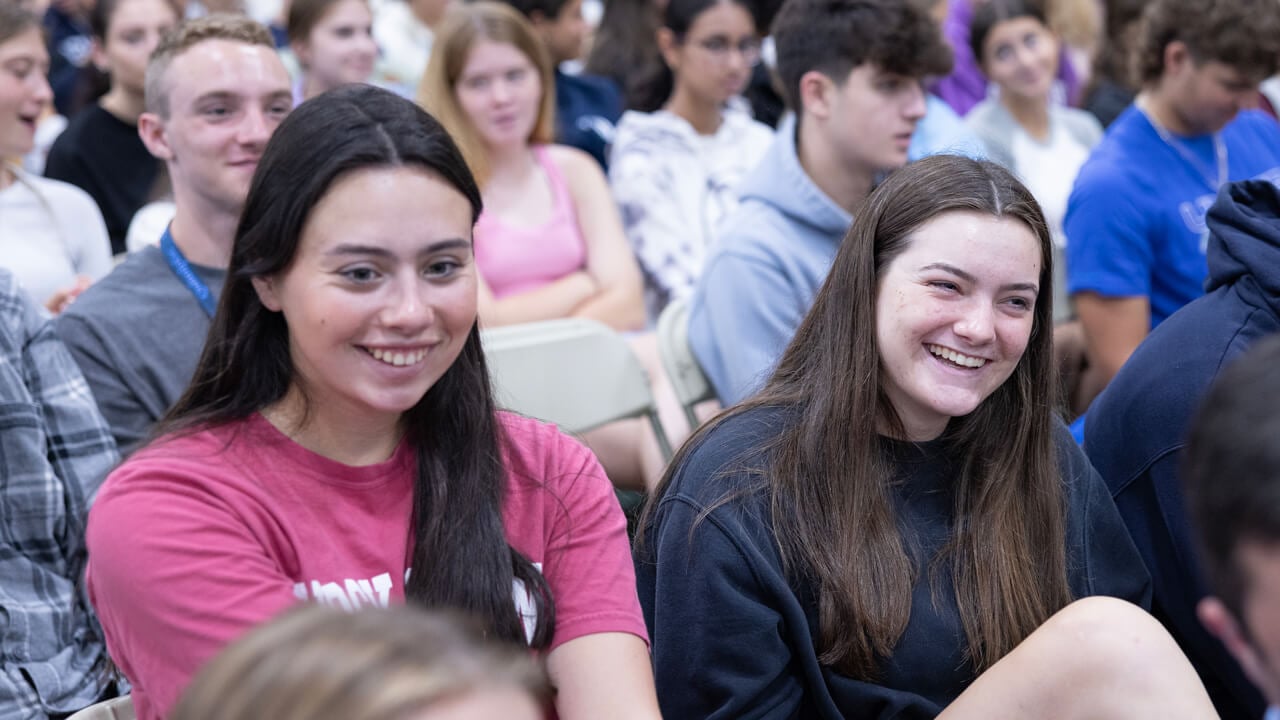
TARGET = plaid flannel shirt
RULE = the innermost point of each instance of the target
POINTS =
(55, 450)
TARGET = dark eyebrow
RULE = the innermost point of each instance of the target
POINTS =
(1030, 287)
(379, 251)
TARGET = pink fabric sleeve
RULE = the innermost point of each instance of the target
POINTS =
(199, 576)
(588, 558)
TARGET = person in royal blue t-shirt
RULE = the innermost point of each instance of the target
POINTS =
(1135, 219)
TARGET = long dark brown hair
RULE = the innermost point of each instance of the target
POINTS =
(830, 485)
(457, 546)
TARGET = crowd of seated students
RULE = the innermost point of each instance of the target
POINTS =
(277, 393)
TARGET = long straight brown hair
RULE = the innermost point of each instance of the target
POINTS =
(457, 545)
(464, 27)
(830, 486)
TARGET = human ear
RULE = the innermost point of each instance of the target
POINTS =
(1176, 57)
(151, 130)
(816, 94)
(265, 287)
(1219, 621)
(669, 47)
(302, 51)
(98, 56)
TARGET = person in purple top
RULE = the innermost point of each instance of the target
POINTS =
(966, 86)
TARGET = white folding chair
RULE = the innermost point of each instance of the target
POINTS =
(120, 708)
(687, 379)
(576, 373)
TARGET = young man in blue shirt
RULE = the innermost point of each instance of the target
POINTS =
(1135, 220)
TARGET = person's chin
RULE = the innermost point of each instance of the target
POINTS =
(893, 158)
(359, 74)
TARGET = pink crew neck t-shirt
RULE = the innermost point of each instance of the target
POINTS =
(514, 259)
(196, 539)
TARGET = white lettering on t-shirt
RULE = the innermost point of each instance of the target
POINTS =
(1193, 217)
(525, 606)
(354, 593)
(350, 594)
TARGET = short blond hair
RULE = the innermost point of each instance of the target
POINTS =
(464, 27)
(319, 663)
(222, 26)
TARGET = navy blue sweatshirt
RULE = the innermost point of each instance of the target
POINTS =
(733, 637)
(1136, 428)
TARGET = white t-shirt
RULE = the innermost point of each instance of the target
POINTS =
(148, 224)
(405, 44)
(51, 232)
(1049, 169)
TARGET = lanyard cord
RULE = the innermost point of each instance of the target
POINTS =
(1219, 150)
(180, 267)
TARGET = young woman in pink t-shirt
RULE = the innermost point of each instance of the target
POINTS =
(339, 443)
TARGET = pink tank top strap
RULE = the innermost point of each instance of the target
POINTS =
(515, 259)
(561, 200)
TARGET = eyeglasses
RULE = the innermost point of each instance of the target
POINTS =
(719, 47)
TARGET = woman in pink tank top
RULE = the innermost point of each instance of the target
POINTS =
(549, 243)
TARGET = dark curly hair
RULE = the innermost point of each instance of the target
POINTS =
(1244, 34)
(835, 36)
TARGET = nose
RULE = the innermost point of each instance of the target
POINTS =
(977, 323)
(41, 90)
(152, 40)
(1022, 56)
(408, 307)
(913, 107)
(254, 129)
(368, 44)
(501, 91)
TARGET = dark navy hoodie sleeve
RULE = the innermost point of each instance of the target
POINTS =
(1137, 426)
(1101, 556)
(723, 651)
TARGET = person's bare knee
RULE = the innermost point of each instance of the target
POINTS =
(1097, 658)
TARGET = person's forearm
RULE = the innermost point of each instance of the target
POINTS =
(556, 299)
(620, 308)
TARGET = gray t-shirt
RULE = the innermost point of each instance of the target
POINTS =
(137, 335)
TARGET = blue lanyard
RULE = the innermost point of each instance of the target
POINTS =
(180, 267)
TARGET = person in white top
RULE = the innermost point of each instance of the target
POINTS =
(52, 234)
(405, 31)
(677, 162)
(1042, 141)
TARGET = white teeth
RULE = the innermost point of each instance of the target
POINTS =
(957, 358)
(398, 359)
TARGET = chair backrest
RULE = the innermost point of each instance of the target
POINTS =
(576, 373)
(120, 708)
(683, 371)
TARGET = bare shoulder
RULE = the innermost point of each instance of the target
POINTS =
(577, 166)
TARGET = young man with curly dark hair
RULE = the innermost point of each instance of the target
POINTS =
(1135, 222)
